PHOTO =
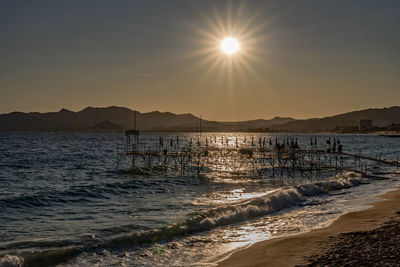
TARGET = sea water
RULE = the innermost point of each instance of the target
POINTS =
(63, 202)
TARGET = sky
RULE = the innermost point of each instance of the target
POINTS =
(301, 59)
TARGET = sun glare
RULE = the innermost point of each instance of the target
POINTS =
(230, 45)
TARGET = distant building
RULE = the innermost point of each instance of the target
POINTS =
(365, 125)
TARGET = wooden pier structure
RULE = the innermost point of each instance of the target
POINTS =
(228, 157)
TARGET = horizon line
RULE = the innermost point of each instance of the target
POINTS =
(197, 116)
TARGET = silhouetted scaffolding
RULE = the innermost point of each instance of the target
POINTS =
(221, 156)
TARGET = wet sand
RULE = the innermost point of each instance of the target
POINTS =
(369, 237)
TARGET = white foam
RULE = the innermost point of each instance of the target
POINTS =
(238, 212)
(11, 261)
(279, 200)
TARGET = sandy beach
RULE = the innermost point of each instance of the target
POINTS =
(364, 238)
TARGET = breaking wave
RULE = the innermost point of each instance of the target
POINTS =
(230, 214)
(279, 200)
(39, 258)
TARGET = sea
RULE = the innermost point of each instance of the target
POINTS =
(64, 202)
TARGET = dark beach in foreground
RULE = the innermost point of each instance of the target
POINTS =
(364, 238)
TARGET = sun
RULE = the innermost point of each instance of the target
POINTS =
(230, 45)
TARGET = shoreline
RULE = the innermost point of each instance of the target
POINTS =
(299, 248)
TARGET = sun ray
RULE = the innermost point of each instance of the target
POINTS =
(242, 68)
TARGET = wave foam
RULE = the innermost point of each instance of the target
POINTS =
(229, 214)
(11, 261)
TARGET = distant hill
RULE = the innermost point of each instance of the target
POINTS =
(105, 127)
(115, 119)
(118, 119)
(380, 117)
(251, 125)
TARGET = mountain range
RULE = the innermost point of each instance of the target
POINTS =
(118, 119)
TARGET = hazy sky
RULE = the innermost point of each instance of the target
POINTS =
(298, 58)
